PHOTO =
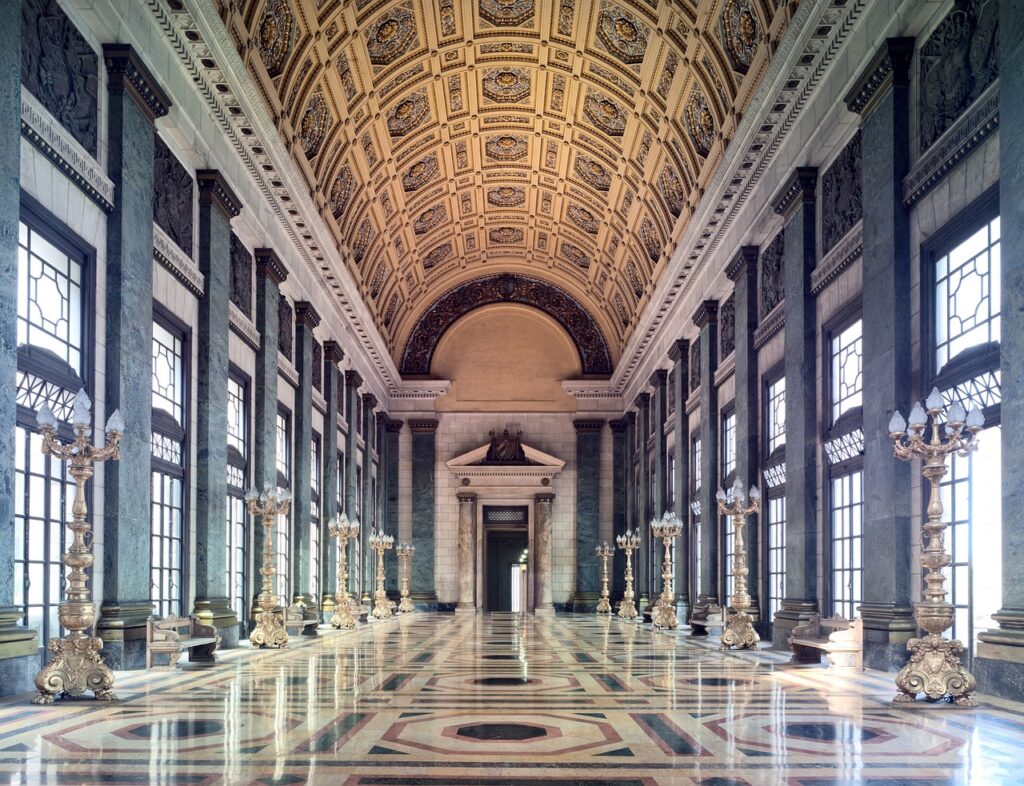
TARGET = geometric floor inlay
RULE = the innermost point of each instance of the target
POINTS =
(502, 700)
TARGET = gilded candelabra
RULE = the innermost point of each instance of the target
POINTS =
(604, 551)
(344, 530)
(739, 630)
(668, 528)
(380, 543)
(934, 667)
(76, 666)
(405, 552)
(269, 630)
(629, 542)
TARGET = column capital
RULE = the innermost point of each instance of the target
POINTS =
(659, 378)
(799, 187)
(269, 265)
(126, 71)
(418, 426)
(890, 65)
(465, 496)
(744, 263)
(629, 418)
(706, 314)
(544, 496)
(352, 378)
(214, 190)
(369, 401)
(679, 352)
(393, 425)
(333, 352)
(305, 315)
(588, 425)
(619, 426)
(642, 400)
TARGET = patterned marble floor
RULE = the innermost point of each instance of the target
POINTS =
(435, 700)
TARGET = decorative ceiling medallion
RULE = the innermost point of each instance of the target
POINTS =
(408, 114)
(391, 36)
(672, 191)
(649, 237)
(622, 34)
(429, 219)
(506, 196)
(508, 147)
(508, 85)
(604, 113)
(341, 192)
(583, 218)
(575, 254)
(316, 119)
(740, 33)
(274, 37)
(437, 255)
(505, 235)
(592, 173)
(364, 236)
(420, 173)
(699, 122)
(506, 13)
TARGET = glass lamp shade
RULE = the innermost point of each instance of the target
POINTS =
(918, 417)
(956, 413)
(45, 417)
(897, 425)
(720, 495)
(115, 423)
(934, 400)
(82, 407)
(975, 419)
(755, 493)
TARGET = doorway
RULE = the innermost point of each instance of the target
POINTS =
(506, 557)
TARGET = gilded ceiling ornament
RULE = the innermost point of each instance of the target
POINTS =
(557, 93)
(378, 279)
(391, 310)
(316, 119)
(672, 191)
(420, 173)
(649, 237)
(274, 36)
(408, 114)
(348, 82)
(545, 202)
(505, 235)
(667, 74)
(592, 173)
(447, 8)
(699, 122)
(565, 14)
(622, 34)
(604, 113)
(645, 148)
(437, 255)
(506, 13)
(634, 279)
(341, 192)
(507, 85)
(391, 36)
(429, 219)
(470, 240)
(740, 33)
(455, 93)
(506, 196)
(461, 155)
(369, 150)
(551, 154)
(467, 204)
(507, 147)
(575, 254)
(583, 218)
(621, 310)
(364, 236)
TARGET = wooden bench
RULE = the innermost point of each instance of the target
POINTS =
(295, 622)
(174, 635)
(702, 622)
(839, 638)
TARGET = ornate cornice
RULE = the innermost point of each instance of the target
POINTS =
(890, 65)
(845, 253)
(177, 263)
(392, 425)
(801, 186)
(126, 71)
(745, 262)
(772, 323)
(333, 353)
(306, 315)
(417, 426)
(618, 426)
(369, 401)
(544, 496)
(269, 264)
(706, 314)
(353, 379)
(214, 190)
(588, 426)
(642, 400)
(658, 378)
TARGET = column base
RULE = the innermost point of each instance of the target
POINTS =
(425, 601)
(999, 662)
(326, 606)
(585, 602)
(122, 626)
(887, 629)
(310, 613)
(218, 612)
(794, 612)
(19, 653)
(464, 609)
(544, 611)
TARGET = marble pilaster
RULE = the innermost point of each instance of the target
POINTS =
(796, 202)
(217, 206)
(390, 429)
(135, 100)
(706, 321)
(658, 482)
(424, 449)
(679, 353)
(642, 502)
(306, 321)
(542, 553)
(352, 499)
(588, 513)
(368, 504)
(467, 552)
(332, 377)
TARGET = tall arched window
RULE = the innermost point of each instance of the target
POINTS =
(238, 481)
(775, 492)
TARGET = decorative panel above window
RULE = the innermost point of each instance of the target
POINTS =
(318, 366)
(694, 365)
(841, 206)
(285, 326)
(727, 327)
(172, 196)
(770, 286)
(241, 276)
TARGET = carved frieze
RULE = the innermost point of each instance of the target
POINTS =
(622, 34)
(241, 276)
(316, 119)
(275, 35)
(448, 26)
(740, 33)
(566, 8)
(770, 284)
(172, 196)
(507, 85)
(727, 327)
(841, 205)
(582, 218)
(391, 35)
(429, 219)
(341, 192)
(575, 254)
(60, 69)
(700, 124)
(455, 93)
(604, 113)
(507, 13)
(348, 82)
(420, 173)
(437, 255)
(285, 326)
(408, 114)
(506, 196)
(668, 73)
(507, 147)
(592, 173)
(958, 61)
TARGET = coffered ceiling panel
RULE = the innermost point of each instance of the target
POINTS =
(448, 141)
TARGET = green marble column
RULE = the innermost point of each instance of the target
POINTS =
(306, 321)
(217, 206)
(389, 431)
(352, 384)
(333, 393)
(424, 449)
(135, 100)
(706, 320)
(368, 430)
(620, 484)
(588, 514)
(642, 503)
(679, 353)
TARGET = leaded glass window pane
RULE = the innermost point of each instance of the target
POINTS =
(284, 453)
(728, 445)
(166, 523)
(847, 382)
(237, 416)
(236, 556)
(776, 414)
(314, 519)
(168, 372)
(776, 524)
(847, 532)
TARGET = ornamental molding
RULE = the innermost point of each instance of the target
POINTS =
(177, 262)
(287, 371)
(421, 390)
(847, 251)
(771, 324)
(725, 369)
(243, 328)
(543, 466)
(48, 136)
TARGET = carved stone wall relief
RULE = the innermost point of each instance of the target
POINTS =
(727, 327)
(172, 197)
(285, 326)
(241, 276)
(841, 205)
(770, 276)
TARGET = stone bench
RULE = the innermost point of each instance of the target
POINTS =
(174, 635)
(702, 622)
(295, 621)
(842, 640)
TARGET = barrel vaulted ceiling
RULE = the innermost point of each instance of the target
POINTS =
(447, 142)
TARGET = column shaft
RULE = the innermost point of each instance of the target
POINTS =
(369, 402)
(706, 320)
(620, 462)
(658, 481)
(542, 553)
(389, 434)
(680, 356)
(332, 378)
(423, 489)
(352, 500)
(643, 502)
(588, 513)
(467, 552)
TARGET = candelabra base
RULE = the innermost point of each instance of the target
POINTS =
(627, 610)
(665, 615)
(603, 606)
(343, 616)
(269, 630)
(381, 607)
(739, 632)
(935, 670)
(405, 606)
(76, 667)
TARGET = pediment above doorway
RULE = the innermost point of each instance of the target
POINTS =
(505, 461)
